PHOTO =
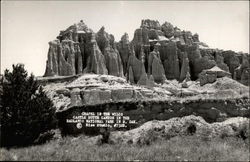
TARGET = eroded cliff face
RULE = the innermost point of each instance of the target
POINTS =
(156, 52)
(79, 50)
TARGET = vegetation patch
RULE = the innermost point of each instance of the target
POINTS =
(191, 148)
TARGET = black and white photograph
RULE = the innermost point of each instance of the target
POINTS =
(124, 80)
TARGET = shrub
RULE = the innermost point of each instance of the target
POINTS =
(26, 111)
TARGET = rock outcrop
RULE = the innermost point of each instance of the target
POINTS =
(170, 60)
(61, 58)
(242, 72)
(155, 67)
(232, 60)
(185, 70)
(210, 75)
(96, 61)
(168, 29)
(143, 78)
(220, 61)
(135, 68)
(188, 125)
(113, 62)
(202, 64)
(124, 49)
(163, 51)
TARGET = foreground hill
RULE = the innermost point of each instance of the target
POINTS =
(179, 139)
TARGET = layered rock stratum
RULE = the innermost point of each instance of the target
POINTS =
(156, 52)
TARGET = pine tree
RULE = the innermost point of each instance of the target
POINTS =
(26, 111)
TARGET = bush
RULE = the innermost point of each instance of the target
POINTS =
(26, 111)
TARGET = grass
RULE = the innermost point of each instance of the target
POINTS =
(189, 148)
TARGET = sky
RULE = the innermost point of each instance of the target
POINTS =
(28, 26)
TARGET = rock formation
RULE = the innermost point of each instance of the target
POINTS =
(202, 64)
(170, 60)
(124, 50)
(242, 72)
(136, 67)
(184, 67)
(61, 58)
(161, 51)
(181, 126)
(155, 67)
(113, 61)
(143, 78)
(220, 61)
(168, 29)
(210, 75)
(96, 61)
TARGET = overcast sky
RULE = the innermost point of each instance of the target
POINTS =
(28, 26)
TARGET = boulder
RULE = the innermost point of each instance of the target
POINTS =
(202, 64)
(207, 78)
(184, 85)
(210, 75)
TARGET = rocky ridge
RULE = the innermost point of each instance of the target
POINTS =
(188, 125)
(156, 53)
(94, 89)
